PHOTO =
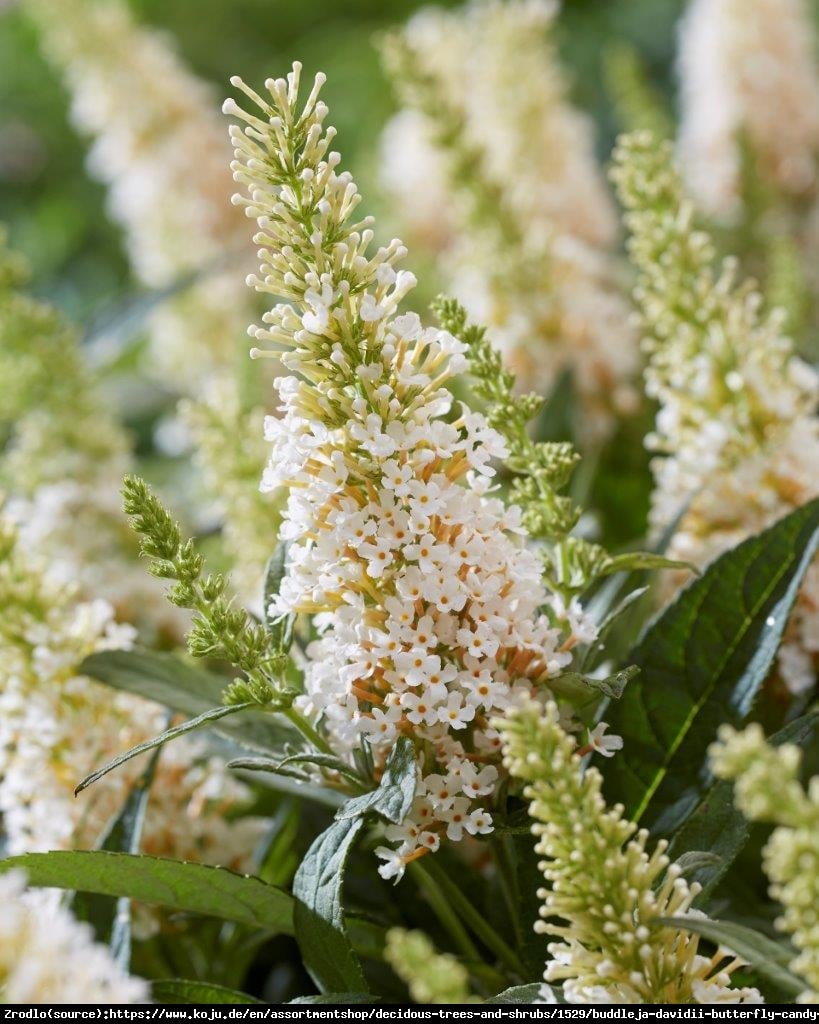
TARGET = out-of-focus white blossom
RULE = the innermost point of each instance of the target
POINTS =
(65, 458)
(160, 147)
(749, 73)
(428, 605)
(161, 150)
(502, 180)
(737, 431)
(48, 957)
(56, 726)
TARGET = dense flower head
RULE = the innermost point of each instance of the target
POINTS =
(737, 431)
(48, 957)
(159, 148)
(429, 609)
(606, 892)
(767, 788)
(748, 73)
(504, 181)
(46, 631)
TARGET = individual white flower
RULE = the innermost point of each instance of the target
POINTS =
(602, 744)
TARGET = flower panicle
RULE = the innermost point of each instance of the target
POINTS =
(428, 607)
(502, 182)
(719, 363)
(606, 893)
(432, 977)
(736, 432)
(164, 161)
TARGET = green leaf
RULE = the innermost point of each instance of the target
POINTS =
(213, 715)
(575, 684)
(188, 689)
(393, 799)
(335, 997)
(180, 990)
(556, 419)
(702, 663)
(319, 917)
(264, 764)
(173, 884)
(281, 628)
(766, 956)
(279, 858)
(632, 561)
(320, 929)
(517, 994)
(718, 827)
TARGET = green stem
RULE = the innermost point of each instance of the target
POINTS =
(508, 881)
(444, 912)
(479, 925)
(307, 730)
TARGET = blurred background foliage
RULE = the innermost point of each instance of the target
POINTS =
(56, 213)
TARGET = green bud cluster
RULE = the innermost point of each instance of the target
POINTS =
(431, 977)
(220, 629)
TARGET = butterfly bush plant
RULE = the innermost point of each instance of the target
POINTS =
(458, 750)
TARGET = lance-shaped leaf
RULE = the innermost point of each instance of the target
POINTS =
(392, 800)
(319, 917)
(180, 990)
(173, 884)
(702, 663)
(522, 994)
(289, 765)
(212, 715)
(189, 689)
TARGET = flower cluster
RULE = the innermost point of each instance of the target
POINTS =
(430, 610)
(737, 424)
(432, 977)
(45, 704)
(51, 958)
(606, 893)
(512, 171)
(164, 161)
(748, 73)
(768, 789)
